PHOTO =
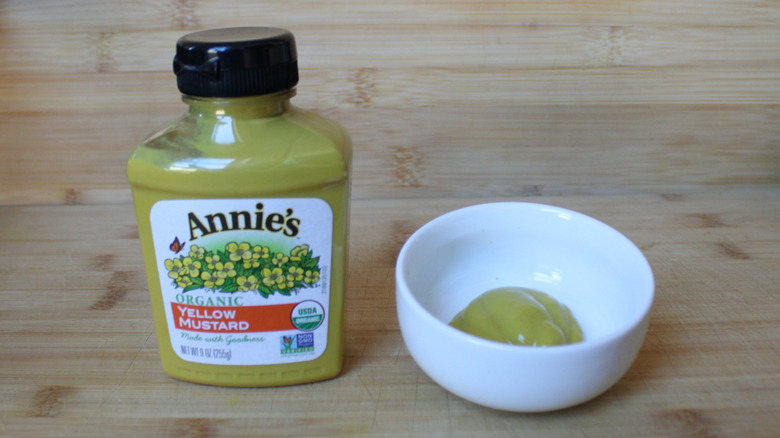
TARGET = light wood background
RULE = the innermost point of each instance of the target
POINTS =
(659, 117)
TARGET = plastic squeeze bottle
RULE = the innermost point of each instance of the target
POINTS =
(242, 206)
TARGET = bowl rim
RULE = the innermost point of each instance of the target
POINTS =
(403, 290)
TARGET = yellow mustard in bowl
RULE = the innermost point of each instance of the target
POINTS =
(519, 316)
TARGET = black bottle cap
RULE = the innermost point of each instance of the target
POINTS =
(236, 62)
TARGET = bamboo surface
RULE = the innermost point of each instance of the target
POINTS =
(658, 117)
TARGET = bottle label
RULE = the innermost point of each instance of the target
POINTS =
(245, 281)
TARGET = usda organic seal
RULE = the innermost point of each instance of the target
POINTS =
(308, 315)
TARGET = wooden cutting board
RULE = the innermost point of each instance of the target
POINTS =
(79, 355)
(553, 97)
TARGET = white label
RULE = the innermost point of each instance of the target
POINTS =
(245, 281)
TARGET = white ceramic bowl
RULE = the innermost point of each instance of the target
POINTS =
(593, 269)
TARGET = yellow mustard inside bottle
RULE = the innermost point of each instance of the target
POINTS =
(519, 316)
(242, 206)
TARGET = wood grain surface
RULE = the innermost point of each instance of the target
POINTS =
(659, 117)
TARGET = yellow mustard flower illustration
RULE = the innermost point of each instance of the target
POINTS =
(273, 277)
(212, 260)
(239, 251)
(311, 277)
(246, 284)
(175, 268)
(288, 283)
(259, 253)
(279, 259)
(225, 270)
(197, 252)
(298, 252)
(254, 262)
(262, 251)
(211, 280)
(191, 267)
(295, 273)
(184, 281)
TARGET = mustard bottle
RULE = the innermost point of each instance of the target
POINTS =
(242, 206)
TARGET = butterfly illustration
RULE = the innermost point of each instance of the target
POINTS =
(176, 246)
(287, 342)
